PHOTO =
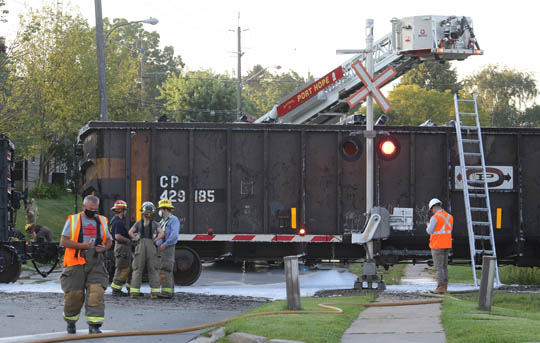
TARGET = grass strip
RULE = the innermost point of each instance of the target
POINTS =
(513, 318)
(509, 275)
(313, 328)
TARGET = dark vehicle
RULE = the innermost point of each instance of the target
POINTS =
(261, 192)
(14, 249)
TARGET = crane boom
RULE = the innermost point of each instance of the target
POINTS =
(412, 41)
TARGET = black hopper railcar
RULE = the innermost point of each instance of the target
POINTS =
(261, 192)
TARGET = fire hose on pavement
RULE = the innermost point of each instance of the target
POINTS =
(331, 310)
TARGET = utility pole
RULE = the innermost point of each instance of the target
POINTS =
(370, 134)
(239, 85)
(102, 81)
(142, 72)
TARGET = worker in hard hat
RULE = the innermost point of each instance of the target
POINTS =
(146, 232)
(170, 224)
(38, 233)
(440, 242)
(122, 249)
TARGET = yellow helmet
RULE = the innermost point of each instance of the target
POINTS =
(165, 203)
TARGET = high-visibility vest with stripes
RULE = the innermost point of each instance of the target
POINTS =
(441, 238)
(71, 258)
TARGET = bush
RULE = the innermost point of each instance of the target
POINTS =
(48, 191)
(511, 275)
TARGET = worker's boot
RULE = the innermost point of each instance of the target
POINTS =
(445, 288)
(94, 328)
(118, 293)
(165, 295)
(439, 290)
(136, 295)
(71, 328)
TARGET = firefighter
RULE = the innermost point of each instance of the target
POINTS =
(440, 242)
(146, 232)
(84, 278)
(171, 228)
(122, 249)
(38, 233)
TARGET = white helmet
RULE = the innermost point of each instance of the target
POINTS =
(434, 202)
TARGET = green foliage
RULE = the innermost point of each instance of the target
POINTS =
(503, 93)
(3, 12)
(413, 105)
(48, 191)
(512, 275)
(313, 328)
(508, 275)
(266, 90)
(513, 318)
(433, 75)
(200, 96)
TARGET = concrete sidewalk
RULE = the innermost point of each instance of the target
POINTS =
(412, 323)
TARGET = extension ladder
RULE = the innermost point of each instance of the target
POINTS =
(475, 190)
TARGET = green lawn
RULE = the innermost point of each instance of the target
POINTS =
(52, 213)
(390, 276)
(508, 275)
(312, 328)
(513, 318)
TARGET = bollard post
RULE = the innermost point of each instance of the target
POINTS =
(293, 285)
(485, 297)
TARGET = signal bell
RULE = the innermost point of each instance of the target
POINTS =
(388, 148)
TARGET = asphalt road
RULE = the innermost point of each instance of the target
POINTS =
(38, 315)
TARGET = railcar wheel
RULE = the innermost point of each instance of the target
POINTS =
(10, 264)
(187, 266)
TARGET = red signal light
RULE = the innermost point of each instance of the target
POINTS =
(302, 231)
(388, 148)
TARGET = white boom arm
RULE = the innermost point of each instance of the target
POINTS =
(412, 41)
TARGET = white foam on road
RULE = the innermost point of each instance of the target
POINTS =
(309, 285)
(28, 338)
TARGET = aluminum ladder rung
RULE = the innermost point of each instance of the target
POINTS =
(465, 100)
(482, 237)
(476, 182)
(472, 154)
(480, 223)
(476, 195)
(465, 127)
(473, 167)
(479, 209)
(485, 252)
(465, 140)
(467, 113)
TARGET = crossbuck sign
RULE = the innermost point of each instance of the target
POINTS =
(371, 86)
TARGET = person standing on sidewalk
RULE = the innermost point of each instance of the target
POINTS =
(146, 232)
(170, 224)
(122, 249)
(84, 278)
(440, 242)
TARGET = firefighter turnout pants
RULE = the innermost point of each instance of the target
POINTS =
(166, 271)
(85, 284)
(146, 255)
(123, 258)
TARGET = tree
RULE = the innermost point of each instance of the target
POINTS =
(266, 90)
(199, 96)
(3, 12)
(503, 93)
(413, 105)
(53, 84)
(133, 41)
(433, 75)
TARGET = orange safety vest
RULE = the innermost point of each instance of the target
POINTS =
(71, 257)
(441, 238)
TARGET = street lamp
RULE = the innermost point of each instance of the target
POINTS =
(100, 42)
(151, 21)
(241, 82)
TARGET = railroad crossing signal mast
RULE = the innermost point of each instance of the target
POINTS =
(329, 99)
